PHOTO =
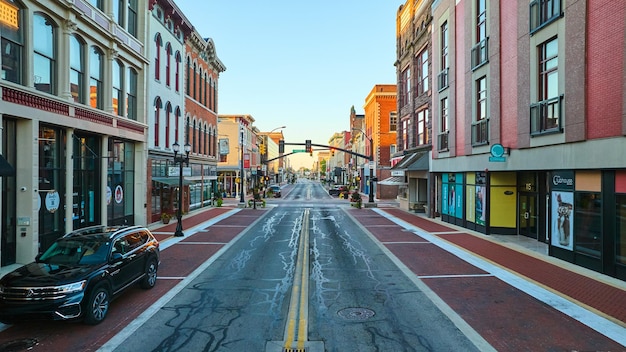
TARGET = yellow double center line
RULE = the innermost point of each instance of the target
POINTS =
(296, 333)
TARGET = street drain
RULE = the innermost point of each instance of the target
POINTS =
(18, 345)
(356, 313)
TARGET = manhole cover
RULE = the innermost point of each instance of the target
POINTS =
(356, 313)
(18, 345)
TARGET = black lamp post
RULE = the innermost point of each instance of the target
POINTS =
(180, 159)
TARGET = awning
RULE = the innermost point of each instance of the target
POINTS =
(172, 181)
(393, 181)
(5, 168)
(408, 160)
(421, 164)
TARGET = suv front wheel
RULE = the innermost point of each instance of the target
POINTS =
(97, 305)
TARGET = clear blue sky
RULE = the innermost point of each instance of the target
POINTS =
(298, 64)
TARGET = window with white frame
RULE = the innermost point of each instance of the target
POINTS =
(422, 127)
(77, 69)
(44, 60)
(393, 121)
(96, 69)
(422, 72)
(117, 84)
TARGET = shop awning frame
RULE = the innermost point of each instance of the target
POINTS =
(172, 181)
(393, 181)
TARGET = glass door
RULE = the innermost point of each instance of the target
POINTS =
(528, 220)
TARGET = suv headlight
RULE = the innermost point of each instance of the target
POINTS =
(74, 287)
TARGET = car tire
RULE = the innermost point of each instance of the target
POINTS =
(150, 277)
(97, 305)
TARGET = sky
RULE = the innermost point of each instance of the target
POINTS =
(299, 64)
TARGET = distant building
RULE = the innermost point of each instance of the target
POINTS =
(380, 130)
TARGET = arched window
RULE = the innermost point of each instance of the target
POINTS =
(158, 42)
(77, 74)
(194, 147)
(195, 82)
(157, 116)
(96, 68)
(206, 89)
(131, 94)
(168, 115)
(177, 125)
(168, 53)
(200, 141)
(206, 140)
(187, 77)
(44, 61)
(200, 86)
(178, 61)
(187, 126)
(118, 81)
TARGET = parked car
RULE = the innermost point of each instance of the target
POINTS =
(275, 191)
(78, 276)
(337, 189)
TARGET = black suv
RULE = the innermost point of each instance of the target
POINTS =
(78, 276)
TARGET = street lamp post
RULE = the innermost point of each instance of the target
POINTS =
(180, 159)
(371, 166)
(241, 196)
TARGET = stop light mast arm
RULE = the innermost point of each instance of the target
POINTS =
(328, 147)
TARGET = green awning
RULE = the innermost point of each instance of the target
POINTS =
(172, 181)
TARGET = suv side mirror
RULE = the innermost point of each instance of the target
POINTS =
(116, 257)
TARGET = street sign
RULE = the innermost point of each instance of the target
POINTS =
(299, 151)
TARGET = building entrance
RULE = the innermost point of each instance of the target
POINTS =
(528, 215)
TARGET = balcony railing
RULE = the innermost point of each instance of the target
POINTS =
(545, 116)
(543, 12)
(480, 132)
(442, 79)
(480, 53)
(442, 141)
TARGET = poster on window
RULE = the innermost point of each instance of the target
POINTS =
(481, 204)
(562, 219)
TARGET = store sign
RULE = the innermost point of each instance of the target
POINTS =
(174, 171)
(562, 180)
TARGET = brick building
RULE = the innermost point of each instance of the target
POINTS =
(530, 122)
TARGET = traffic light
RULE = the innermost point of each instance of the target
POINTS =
(308, 145)
(332, 151)
(262, 149)
(281, 146)
(311, 153)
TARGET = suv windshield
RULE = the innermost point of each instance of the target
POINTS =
(76, 251)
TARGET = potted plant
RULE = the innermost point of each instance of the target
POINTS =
(355, 198)
(165, 217)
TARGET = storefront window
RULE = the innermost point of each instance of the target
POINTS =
(86, 195)
(620, 236)
(120, 183)
(51, 185)
(588, 223)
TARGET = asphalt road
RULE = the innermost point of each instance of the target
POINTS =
(358, 299)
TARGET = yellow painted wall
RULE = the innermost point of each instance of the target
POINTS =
(503, 207)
